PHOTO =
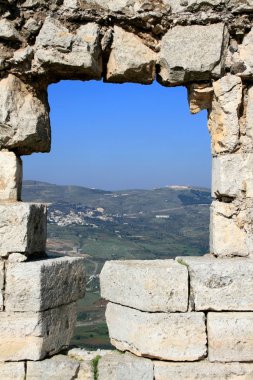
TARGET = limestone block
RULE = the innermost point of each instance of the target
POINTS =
(44, 284)
(33, 336)
(191, 53)
(23, 228)
(1, 285)
(155, 285)
(68, 53)
(203, 370)
(242, 61)
(24, 119)
(224, 116)
(130, 60)
(246, 122)
(56, 368)
(230, 337)
(10, 177)
(220, 285)
(116, 366)
(200, 97)
(175, 336)
(228, 236)
(12, 371)
(232, 175)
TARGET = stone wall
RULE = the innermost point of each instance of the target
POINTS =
(184, 319)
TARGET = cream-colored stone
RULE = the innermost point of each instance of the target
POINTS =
(232, 175)
(200, 97)
(202, 370)
(10, 177)
(58, 367)
(58, 48)
(228, 237)
(191, 53)
(12, 371)
(17, 258)
(116, 366)
(165, 336)
(220, 284)
(223, 123)
(33, 336)
(130, 60)
(44, 284)
(23, 228)
(155, 285)
(24, 119)
(2, 280)
(230, 337)
(8, 31)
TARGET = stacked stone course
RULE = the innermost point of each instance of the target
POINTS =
(185, 319)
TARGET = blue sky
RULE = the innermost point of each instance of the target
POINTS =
(122, 136)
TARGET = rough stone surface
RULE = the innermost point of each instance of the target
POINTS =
(217, 284)
(202, 370)
(10, 177)
(1, 285)
(24, 119)
(8, 31)
(12, 371)
(33, 336)
(44, 284)
(230, 337)
(223, 123)
(55, 368)
(155, 285)
(232, 175)
(130, 60)
(200, 97)
(23, 228)
(231, 230)
(116, 366)
(199, 56)
(57, 49)
(175, 336)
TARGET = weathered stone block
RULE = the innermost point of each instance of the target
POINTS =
(2, 285)
(175, 336)
(203, 370)
(232, 175)
(116, 366)
(130, 60)
(155, 285)
(44, 284)
(217, 284)
(12, 371)
(55, 368)
(228, 236)
(230, 337)
(200, 97)
(223, 121)
(24, 119)
(23, 228)
(33, 336)
(191, 53)
(70, 54)
(10, 177)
